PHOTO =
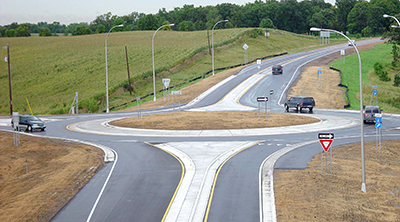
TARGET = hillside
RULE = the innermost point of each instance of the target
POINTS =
(49, 70)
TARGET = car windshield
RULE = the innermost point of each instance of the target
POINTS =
(308, 99)
(372, 110)
(33, 118)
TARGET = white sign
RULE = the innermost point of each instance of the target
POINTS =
(15, 119)
(342, 52)
(176, 92)
(325, 34)
(245, 46)
(258, 61)
(166, 82)
(5, 59)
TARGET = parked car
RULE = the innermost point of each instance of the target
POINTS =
(277, 69)
(299, 103)
(30, 123)
(370, 112)
(351, 42)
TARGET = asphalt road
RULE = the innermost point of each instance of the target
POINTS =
(140, 183)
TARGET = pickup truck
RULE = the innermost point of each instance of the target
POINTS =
(299, 103)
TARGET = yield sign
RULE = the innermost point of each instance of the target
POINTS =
(326, 144)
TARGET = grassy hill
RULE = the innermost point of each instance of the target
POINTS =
(388, 96)
(49, 70)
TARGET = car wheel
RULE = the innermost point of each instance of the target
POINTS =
(298, 108)
(29, 128)
(310, 110)
(287, 108)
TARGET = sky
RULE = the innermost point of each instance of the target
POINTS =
(76, 11)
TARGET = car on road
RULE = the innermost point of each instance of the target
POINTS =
(370, 113)
(277, 69)
(299, 103)
(351, 42)
(30, 123)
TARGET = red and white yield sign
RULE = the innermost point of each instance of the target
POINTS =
(326, 140)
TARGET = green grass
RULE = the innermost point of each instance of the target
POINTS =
(49, 70)
(387, 93)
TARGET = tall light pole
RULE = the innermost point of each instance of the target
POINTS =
(212, 42)
(363, 186)
(7, 59)
(152, 52)
(107, 109)
(389, 16)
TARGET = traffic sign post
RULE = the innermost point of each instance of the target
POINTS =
(343, 54)
(262, 99)
(15, 121)
(165, 82)
(374, 100)
(378, 127)
(326, 140)
(245, 47)
(179, 93)
(139, 109)
(319, 72)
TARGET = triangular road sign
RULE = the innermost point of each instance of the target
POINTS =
(326, 144)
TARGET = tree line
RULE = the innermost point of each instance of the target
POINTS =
(353, 16)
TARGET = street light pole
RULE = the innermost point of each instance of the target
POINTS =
(212, 42)
(363, 186)
(9, 76)
(107, 109)
(152, 53)
(389, 16)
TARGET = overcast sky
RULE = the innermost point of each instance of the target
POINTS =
(75, 11)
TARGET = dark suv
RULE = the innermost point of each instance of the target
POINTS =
(370, 112)
(277, 69)
(299, 103)
(30, 123)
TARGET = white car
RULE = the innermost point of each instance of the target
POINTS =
(351, 42)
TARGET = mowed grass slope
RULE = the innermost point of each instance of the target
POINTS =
(49, 70)
(388, 96)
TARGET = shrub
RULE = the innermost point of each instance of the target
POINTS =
(378, 68)
(396, 81)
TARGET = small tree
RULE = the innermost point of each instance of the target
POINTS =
(45, 32)
(395, 53)
(11, 33)
(100, 29)
(396, 81)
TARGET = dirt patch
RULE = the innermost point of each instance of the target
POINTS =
(213, 121)
(40, 176)
(326, 92)
(306, 195)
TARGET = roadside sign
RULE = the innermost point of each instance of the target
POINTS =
(258, 61)
(262, 99)
(374, 92)
(166, 82)
(325, 144)
(342, 52)
(378, 120)
(378, 125)
(326, 136)
(176, 92)
(374, 86)
(319, 71)
(245, 46)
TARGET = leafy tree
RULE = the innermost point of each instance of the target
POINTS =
(45, 32)
(366, 31)
(23, 31)
(396, 81)
(358, 17)
(82, 29)
(101, 29)
(199, 25)
(266, 23)
(186, 26)
(343, 9)
(395, 53)
(148, 22)
(11, 33)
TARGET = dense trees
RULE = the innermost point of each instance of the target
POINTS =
(355, 16)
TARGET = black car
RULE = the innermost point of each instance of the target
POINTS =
(277, 69)
(30, 123)
(300, 102)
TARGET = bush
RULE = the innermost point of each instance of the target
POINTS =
(378, 68)
(396, 81)
(384, 76)
(381, 72)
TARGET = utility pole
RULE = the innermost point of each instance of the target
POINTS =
(127, 67)
(9, 76)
